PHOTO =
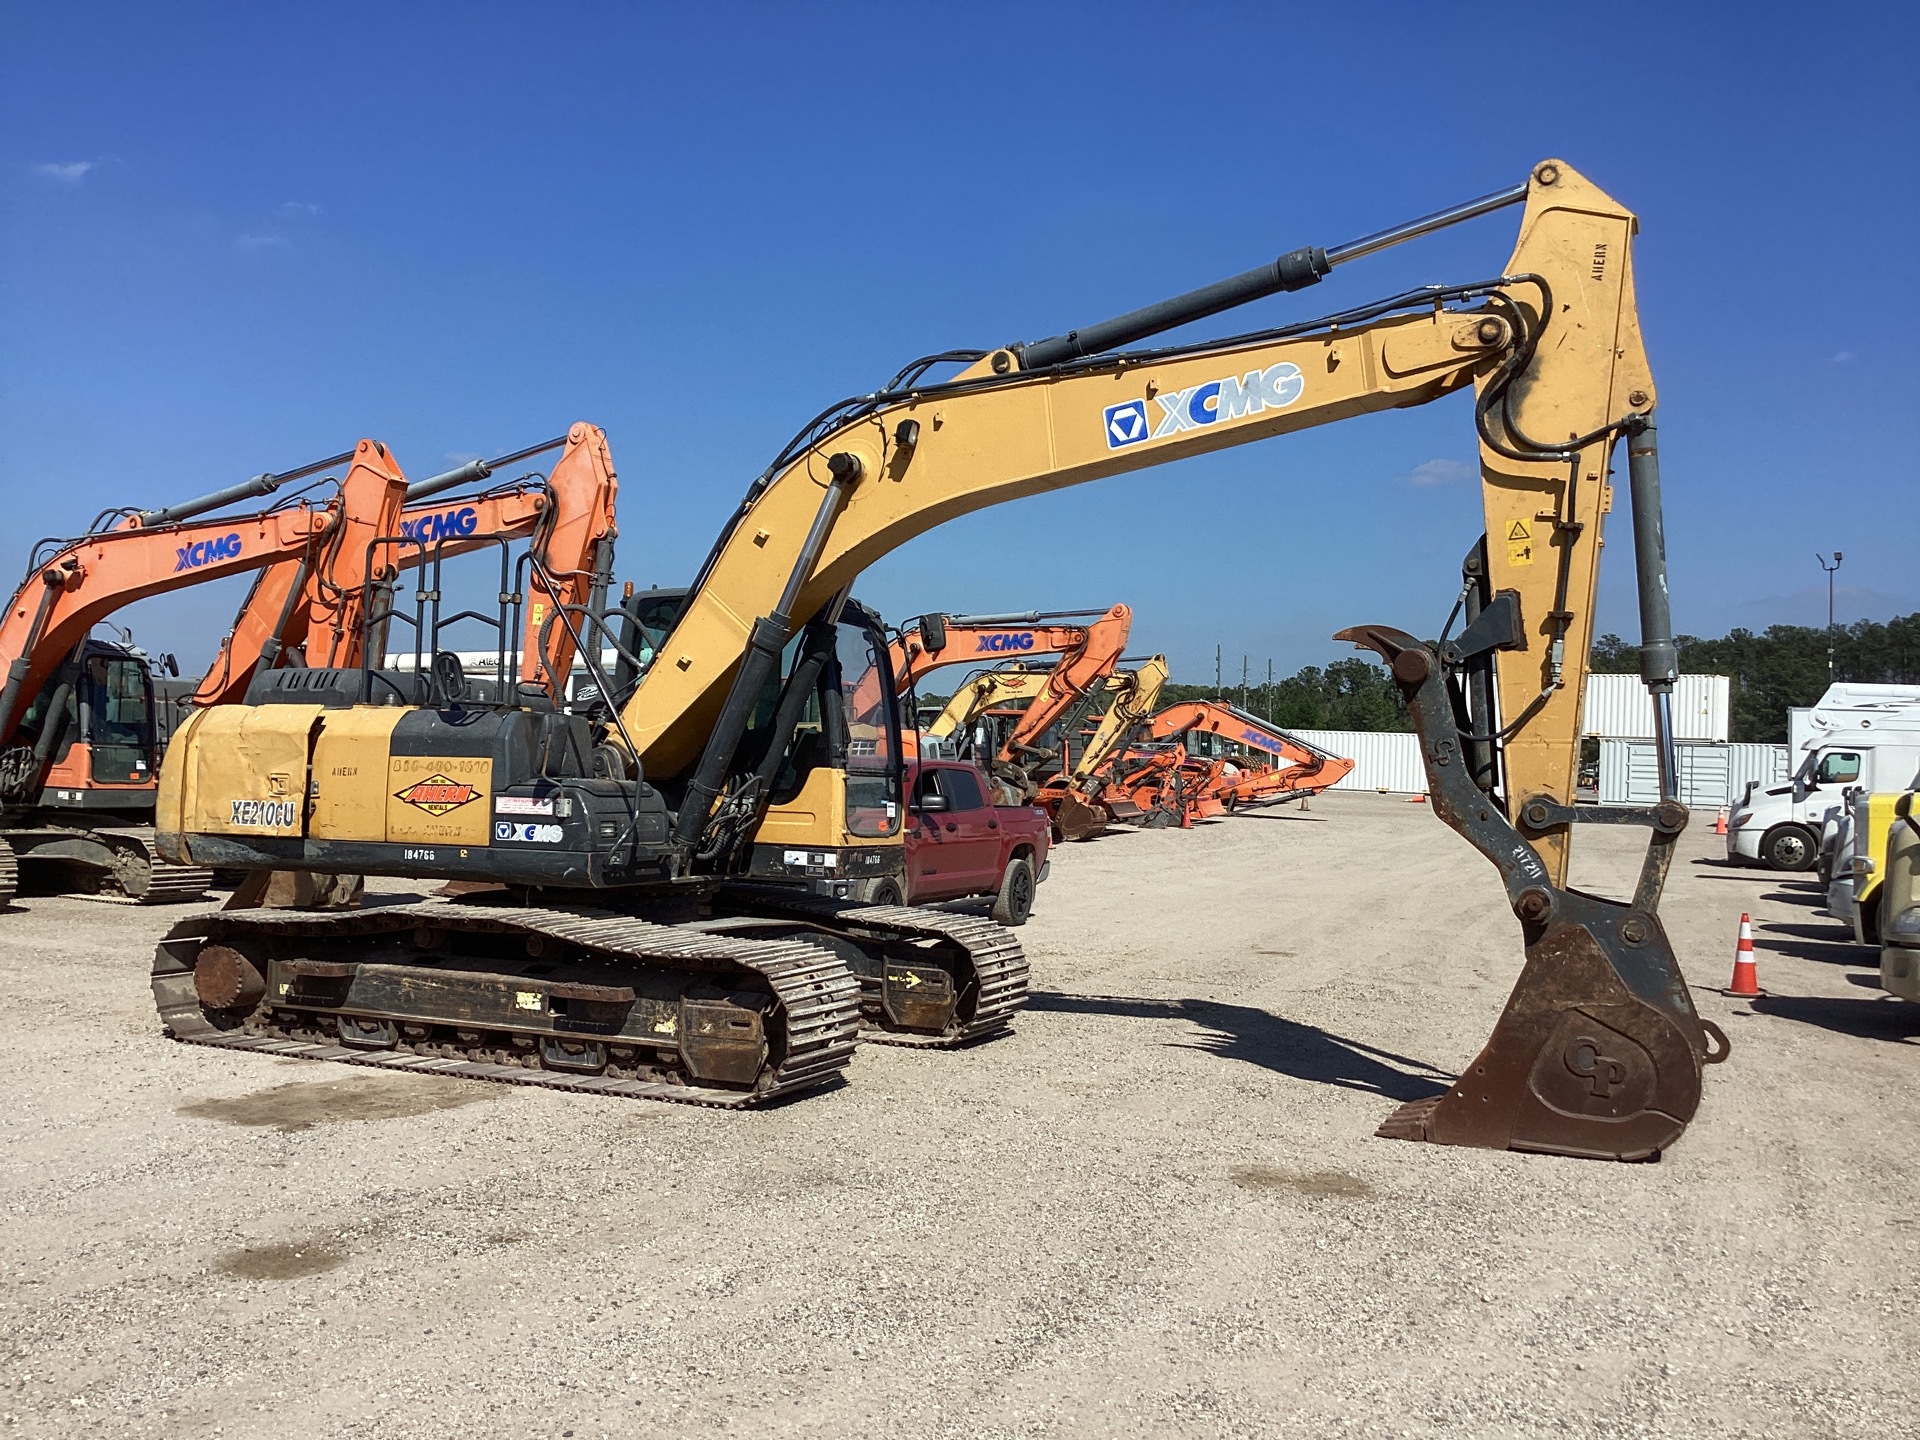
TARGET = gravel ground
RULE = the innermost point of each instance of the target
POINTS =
(1155, 1209)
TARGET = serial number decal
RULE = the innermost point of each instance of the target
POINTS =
(415, 854)
(262, 814)
(521, 805)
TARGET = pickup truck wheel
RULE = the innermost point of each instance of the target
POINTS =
(1014, 903)
(1789, 847)
(884, 891)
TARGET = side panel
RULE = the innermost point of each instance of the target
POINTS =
(816, 816)
(247, 770)
(170, 806)
(350, 771)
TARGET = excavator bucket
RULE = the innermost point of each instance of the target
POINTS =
(1079, 820)
(1599, 1052)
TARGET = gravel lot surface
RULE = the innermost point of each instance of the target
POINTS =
(1155, 1209)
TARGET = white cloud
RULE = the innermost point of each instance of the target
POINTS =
(71, 172)
(297, 210)
(1843, 357)
(1440, 472)
(260, 242)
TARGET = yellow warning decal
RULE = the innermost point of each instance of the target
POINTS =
(1519, 544)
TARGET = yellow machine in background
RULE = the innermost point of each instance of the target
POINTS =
(739, 727)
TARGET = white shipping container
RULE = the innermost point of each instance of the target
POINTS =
(1618, 707)
(1710, 775)
(1382, 760)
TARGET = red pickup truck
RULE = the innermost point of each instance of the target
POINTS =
(960, 843)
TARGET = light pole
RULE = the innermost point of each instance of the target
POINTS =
(1830, 570)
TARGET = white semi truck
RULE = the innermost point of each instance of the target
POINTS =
(1864, 737)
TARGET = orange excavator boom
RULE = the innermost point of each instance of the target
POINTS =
(570, 513)
(1304, 769)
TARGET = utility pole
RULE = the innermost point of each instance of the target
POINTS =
(1266, 710)
(1243, 682)
(1216, 669)
(1830, 569)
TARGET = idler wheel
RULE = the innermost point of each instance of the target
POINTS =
(227, 980)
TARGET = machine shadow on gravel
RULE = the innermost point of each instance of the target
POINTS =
(1286, 1047)
(1883, 1018)
(1819, 943)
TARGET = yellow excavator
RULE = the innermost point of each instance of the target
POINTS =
(656, 926)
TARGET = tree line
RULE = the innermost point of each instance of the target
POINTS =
(1784, 666)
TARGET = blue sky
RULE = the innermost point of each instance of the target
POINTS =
(237, 238)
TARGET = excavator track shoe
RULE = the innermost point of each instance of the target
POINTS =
(562, 997)
(9, 875)
(929, 979)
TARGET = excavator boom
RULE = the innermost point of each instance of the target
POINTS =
(289, 595)
(1302, 769)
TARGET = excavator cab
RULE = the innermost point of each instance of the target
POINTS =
(89, 734)
(824, 740)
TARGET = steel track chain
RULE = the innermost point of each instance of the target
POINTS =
(997, 959)
(9, 875)
(819, 998)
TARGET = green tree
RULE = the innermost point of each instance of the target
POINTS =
(1783, 666)
(1351, 694)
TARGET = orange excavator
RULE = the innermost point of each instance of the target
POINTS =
(79, 748)
(78, 755)
(1177, 782)
(1015, 766)
(929, 642)
(1081, 800)
(276, 623)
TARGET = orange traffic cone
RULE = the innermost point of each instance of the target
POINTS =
(1720, 822)
(1746, 980)
(1417, 800)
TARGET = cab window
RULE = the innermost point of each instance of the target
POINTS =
(962, 789)
(1838, 767)
(926, 787)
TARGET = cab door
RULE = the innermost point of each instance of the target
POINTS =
(970, 831)
(953, 837)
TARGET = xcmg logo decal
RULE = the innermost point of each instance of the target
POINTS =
(1005, 641)
(1260, 742)
(442, 525)
(1233, 398)
(205, 552)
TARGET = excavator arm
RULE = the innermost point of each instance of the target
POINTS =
(1135, 693)
(1599, 1051)
(982, 693)
(1303, 768)
(928, 642)
(570, 514)
(1077, 800)
(1068, 683)
(154, 552)
(1552, 348)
